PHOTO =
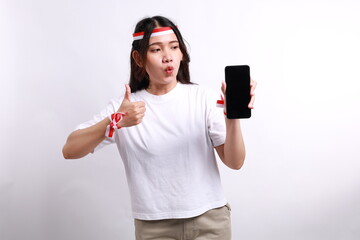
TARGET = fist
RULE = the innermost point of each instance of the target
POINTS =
(134, 110)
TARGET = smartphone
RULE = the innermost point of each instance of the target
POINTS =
(237, 80)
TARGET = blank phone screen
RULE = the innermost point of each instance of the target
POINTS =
(237, 80)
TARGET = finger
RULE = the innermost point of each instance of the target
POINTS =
(139, 104)
(251, 103)
(253, 85)
(223, 87)
(127, 92)
(141, 109)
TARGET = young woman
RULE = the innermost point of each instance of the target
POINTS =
(166, 130)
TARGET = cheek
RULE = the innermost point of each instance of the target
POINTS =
(149, 63)
(151, 68)
(180, 56)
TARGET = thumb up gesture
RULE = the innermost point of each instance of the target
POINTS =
(134, 110)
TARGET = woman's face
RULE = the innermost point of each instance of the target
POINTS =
(163, 59)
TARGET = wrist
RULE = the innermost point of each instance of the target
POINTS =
(114, 119)
(232, 122)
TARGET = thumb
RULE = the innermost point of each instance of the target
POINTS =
(127, 92)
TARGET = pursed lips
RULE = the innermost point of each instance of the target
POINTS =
(169, 69)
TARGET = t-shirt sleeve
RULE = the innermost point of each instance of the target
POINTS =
(216, 120)
(112, 107)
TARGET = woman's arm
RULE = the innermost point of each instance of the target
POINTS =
(82, 142)
(232, 152)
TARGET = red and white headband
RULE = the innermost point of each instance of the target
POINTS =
(155, 32)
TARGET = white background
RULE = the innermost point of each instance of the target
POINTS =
(61, 61)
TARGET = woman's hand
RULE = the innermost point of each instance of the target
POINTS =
(253, 84)
(134, 110)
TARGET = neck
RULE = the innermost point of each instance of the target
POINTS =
(161, 89)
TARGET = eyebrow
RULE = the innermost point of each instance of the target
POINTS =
(162, 43)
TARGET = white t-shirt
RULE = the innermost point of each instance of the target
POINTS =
(169, 157)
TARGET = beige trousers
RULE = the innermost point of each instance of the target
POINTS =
(215, 224)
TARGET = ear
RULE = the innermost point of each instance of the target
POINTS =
(137, 58)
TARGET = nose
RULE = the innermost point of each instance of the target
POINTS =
(167, 57)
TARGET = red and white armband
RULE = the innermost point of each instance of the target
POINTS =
(115, 118)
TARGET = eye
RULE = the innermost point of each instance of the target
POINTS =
(154, 50)
(175, 47)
